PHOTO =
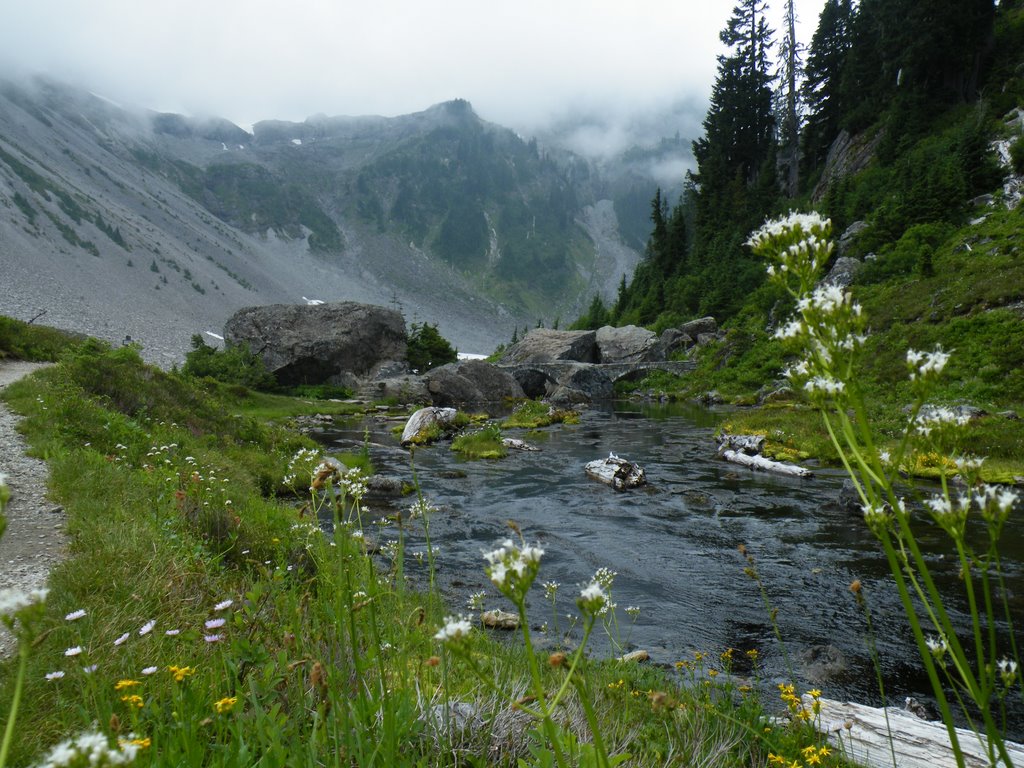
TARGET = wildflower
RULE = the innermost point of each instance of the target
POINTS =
(592, 599)
(180, 673)
(146, 628)
(1007, 671)
(13, 601)
(633, 611)
(75, 615)
(225, 704)
(149, 670)
(133, 700)
(122, 639)
(172, 632)
(550, 589)
(476, 601)
(73, 651)
(214, 623)
(51, 676)
(90, 748)
(924, 364)
(453, 629)
(133, 741)
(213, 638)
(513, 568)
(225, 604)
(120, 685)
(937, 646)
(90, 669)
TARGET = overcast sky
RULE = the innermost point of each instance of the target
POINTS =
(521, 64)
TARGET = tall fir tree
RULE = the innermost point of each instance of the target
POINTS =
(788, 97)
(823, 74)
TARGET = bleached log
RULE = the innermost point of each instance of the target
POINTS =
(620, 474)
(751, 444)
(860, 732)
(760, 462)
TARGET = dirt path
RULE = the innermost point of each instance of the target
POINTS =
(35, 537)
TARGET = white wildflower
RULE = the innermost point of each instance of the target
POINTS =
(454, 629)
(14, 600)
(149, 670)
(214, 623)
(51, 676)
(75, 615)
(73, 650)
(146, 628)
(224, 605)
(123, 638)
(592, 599)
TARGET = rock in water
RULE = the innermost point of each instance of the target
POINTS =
(620, 474)
(335, 343)
(425, 418)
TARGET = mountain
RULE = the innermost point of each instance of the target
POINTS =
(125, 222)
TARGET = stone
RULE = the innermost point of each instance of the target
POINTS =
(516, 444)
(543, 345)
(591, 382)
(499, 619)
(471, 382)
(850, 234)
(843, 272)
(636, 656)
(694, 328)
(402, 389)
(335, 343)
(620, 474)
(703, 339)
(673, 339)
(535, 382)
(628, 344)
(423, 420)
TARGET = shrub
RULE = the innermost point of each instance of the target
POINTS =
(232, 365)
(428, 348)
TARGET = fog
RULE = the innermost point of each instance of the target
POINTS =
(624, 72)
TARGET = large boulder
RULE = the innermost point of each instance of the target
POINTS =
(843, 272)
(543, 345)
(628, 344)
(469, 382)
(702, 325)
(334, 343)
(582, 384)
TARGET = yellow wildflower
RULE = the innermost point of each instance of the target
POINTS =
(141, 743)
(777, 759)
(814, 693)
(122, 684)
(132, 701)
(225, 704)
(180, 673)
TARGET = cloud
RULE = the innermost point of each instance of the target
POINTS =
(521, 64)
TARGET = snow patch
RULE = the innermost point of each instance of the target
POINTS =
(297, 142)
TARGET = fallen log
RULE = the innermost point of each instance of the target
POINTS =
(517, 444)
(860, 732)
(760, 462)
(620, 474)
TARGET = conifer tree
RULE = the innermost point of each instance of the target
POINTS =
(826, 58)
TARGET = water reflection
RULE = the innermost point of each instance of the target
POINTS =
(674, 546)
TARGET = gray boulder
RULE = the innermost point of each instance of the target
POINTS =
(543, 345)
(673, 339)
(582, 384)
(425, 419)
(334, 343)
(628, 344)
(402, 389)
(471, 381)
(843, 272)
(849, 236)
(535, 382)
(694, 328)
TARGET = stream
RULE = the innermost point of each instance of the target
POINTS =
(674, 547)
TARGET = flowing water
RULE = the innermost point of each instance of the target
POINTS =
(674, 547)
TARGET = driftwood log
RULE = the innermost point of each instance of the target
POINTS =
(516, 444)
(760, 462)
(861, 733)
(620, 474)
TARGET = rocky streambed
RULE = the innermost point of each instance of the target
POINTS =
(674, 547)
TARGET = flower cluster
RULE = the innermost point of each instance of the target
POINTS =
(455, 628)
(593, 600)
(512, 568)
(90, 748)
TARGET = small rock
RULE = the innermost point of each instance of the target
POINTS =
(518, 445)
(636, 656)
(498, 619)
(1012, 415)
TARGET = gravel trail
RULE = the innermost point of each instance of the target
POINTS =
(35, 537)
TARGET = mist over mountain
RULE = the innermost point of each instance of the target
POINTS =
(125, 222)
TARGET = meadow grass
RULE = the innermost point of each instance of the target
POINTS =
(202, 617)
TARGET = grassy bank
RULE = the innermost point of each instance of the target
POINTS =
(969, 301)
(202, 618)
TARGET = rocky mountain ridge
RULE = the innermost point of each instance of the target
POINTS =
(128, 223)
